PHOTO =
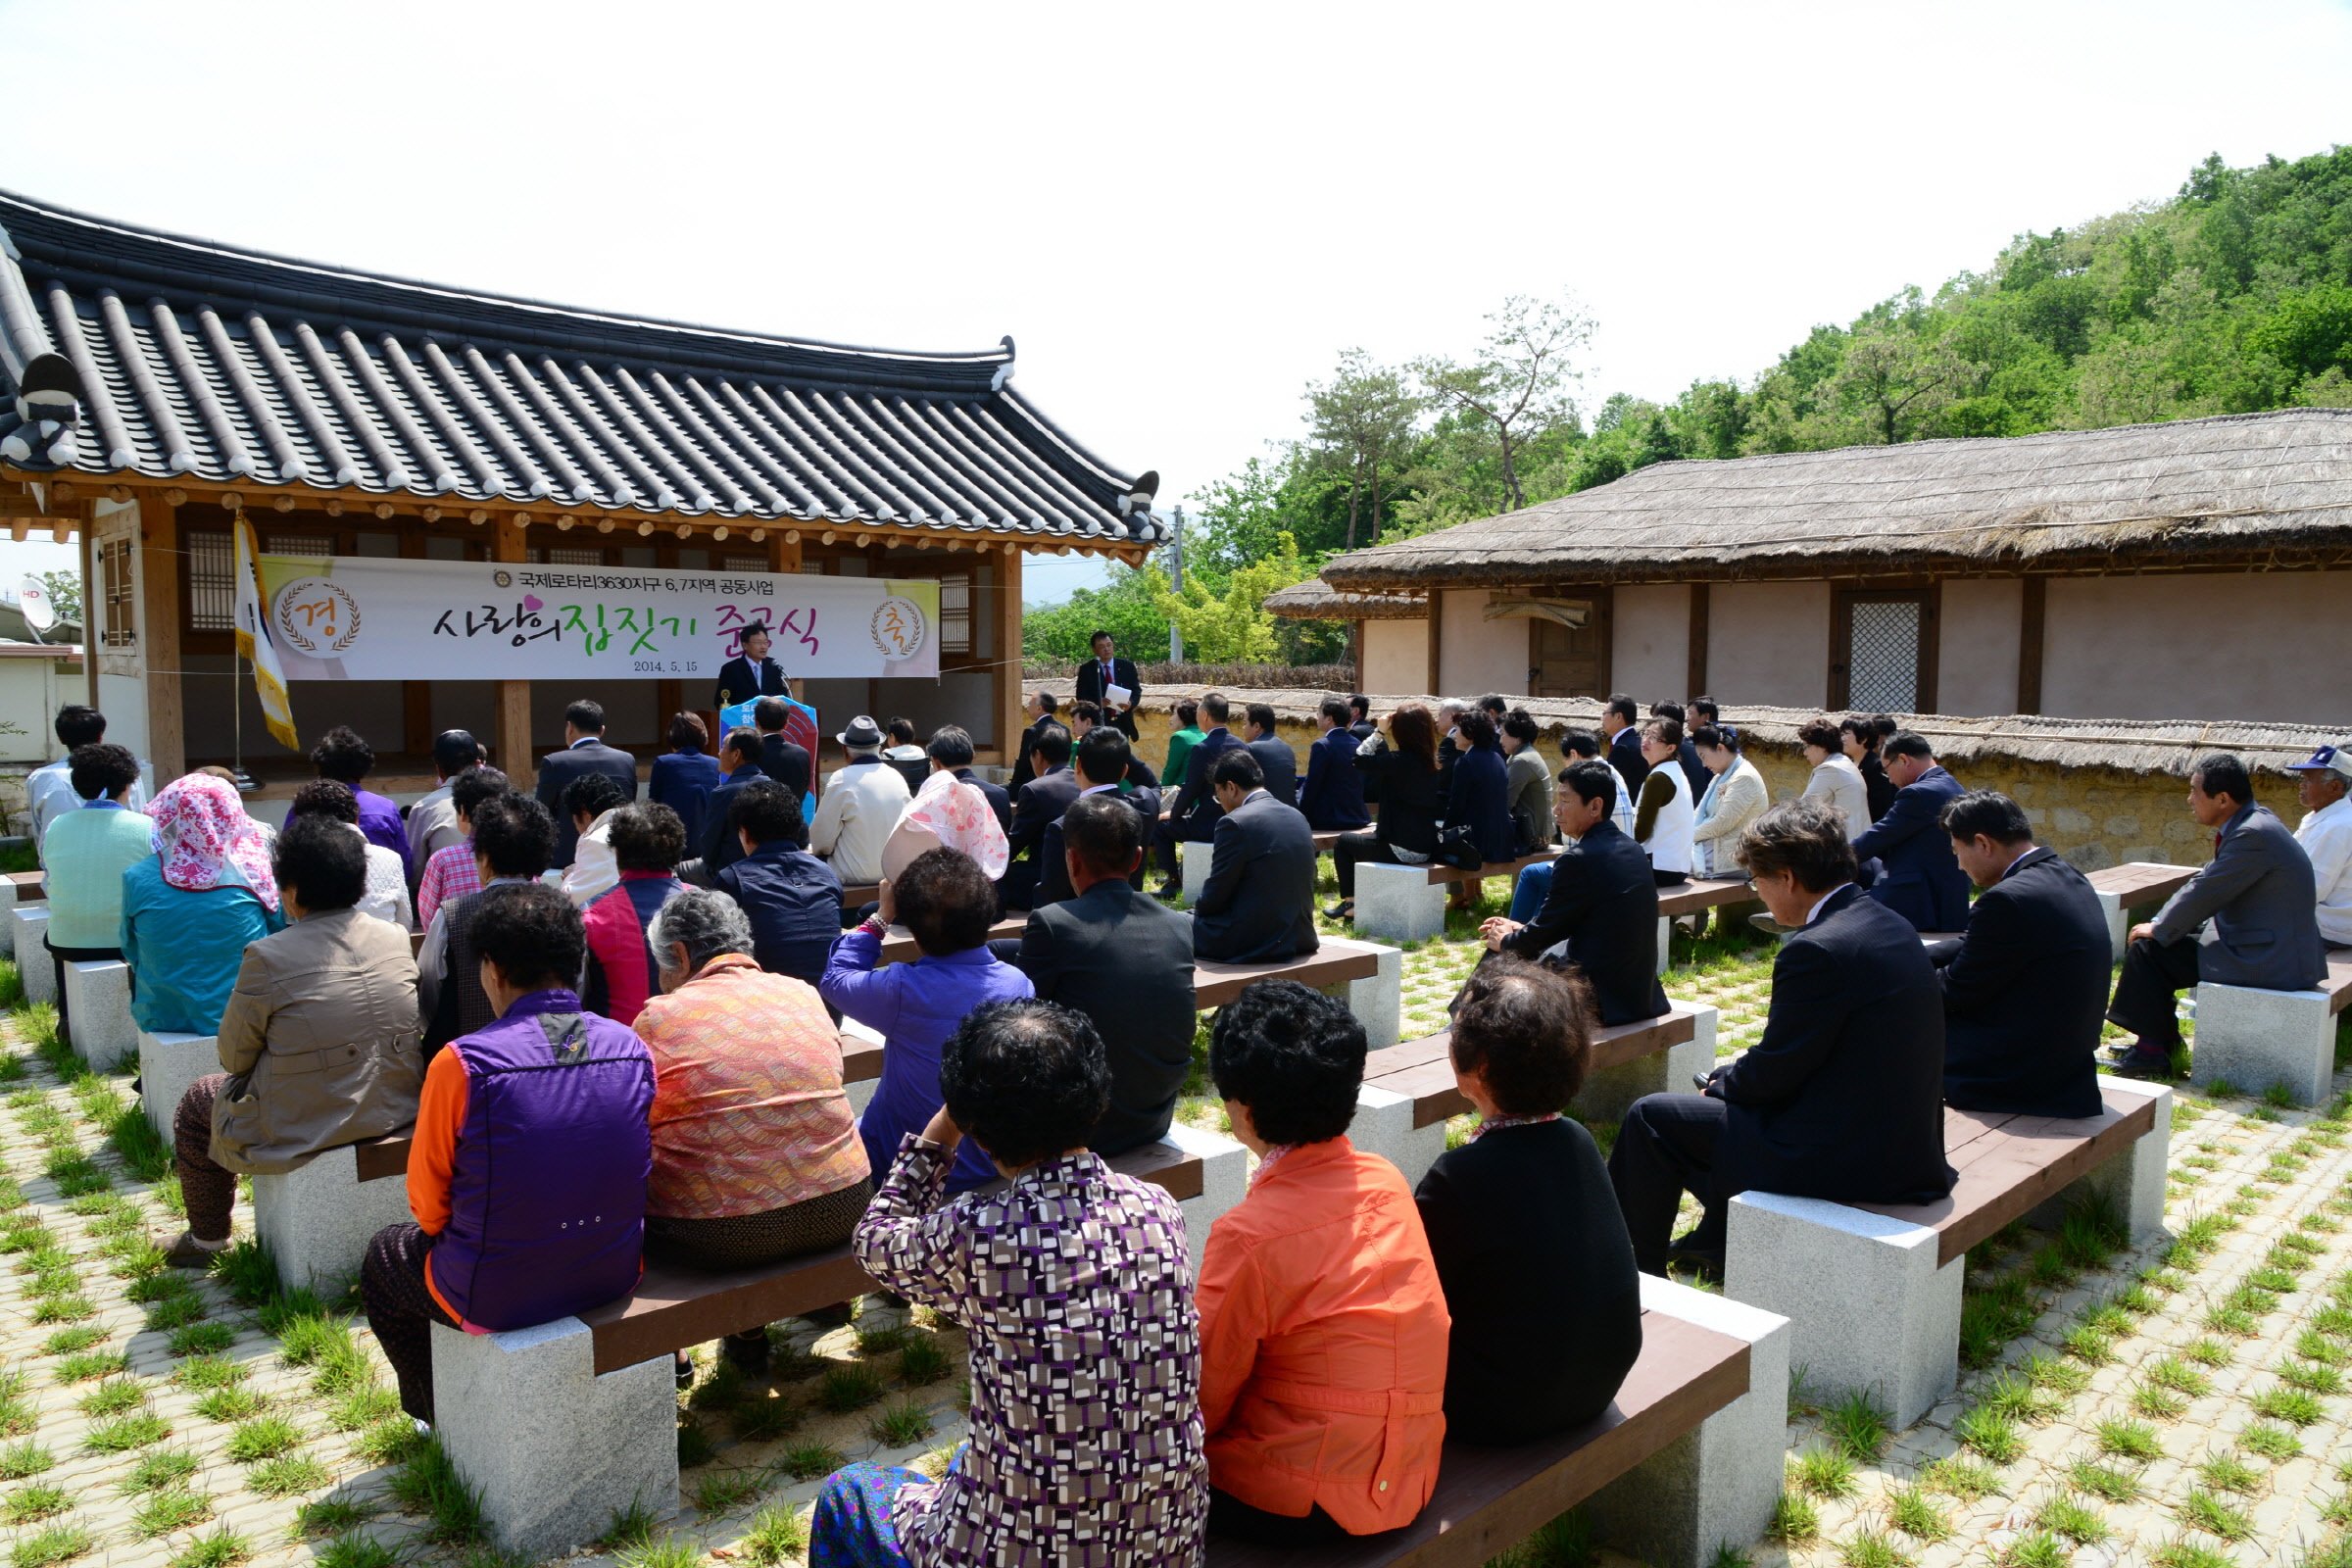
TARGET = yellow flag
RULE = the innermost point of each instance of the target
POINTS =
(255, 643)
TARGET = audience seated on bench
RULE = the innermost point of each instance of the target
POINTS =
(1841, 1099)
(1069, 1242)
(1400, 760)
(1036, 806)
(1906, 855)
(1478, 798)
(756, 1150)
(2026, 987)
(191, 908)
(791, 898)
(1120, 956)
(948, 903)
(86, 852)
(1323, 1325)
(647, 841)
(1332, 796)
(1258, 905)
(320, 1037)
(387, 895)
(2247, 920)
(514, 838)
(1665, 805)
(1601, 909)
(558, 1101)
(2322, 784)
(1532, 883)
(1104, 762)
(453, 871)
(1529, 1242)
(587, 804)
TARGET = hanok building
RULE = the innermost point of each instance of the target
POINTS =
(151, 386)
(2199, 569)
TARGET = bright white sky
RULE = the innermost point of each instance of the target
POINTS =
(1181, 213)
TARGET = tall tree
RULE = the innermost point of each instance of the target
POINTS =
(1361, 419)
(1896, 381)
(1519, 382)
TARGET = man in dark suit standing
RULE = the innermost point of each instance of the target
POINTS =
(1102, 672)
(1191, 816)
(1602, 910)
(751, 674)
(1122, 958)
(1332, 800)
(786, 761)
(739, 755)
(1915, 874)
(1275, 759)
(1842, 1099)
(2025, 986)
(1101, 761)
(1040, 709)
(1037, 805)
(1258, 906)
(951, 751)
(2261, 898)
(584, 752)
(1620, 726)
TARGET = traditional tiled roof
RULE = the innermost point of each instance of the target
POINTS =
(128, 353)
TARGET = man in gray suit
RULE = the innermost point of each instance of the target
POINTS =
(2248, 919)
(1259, 904)
(584, 752)
(1121, 958)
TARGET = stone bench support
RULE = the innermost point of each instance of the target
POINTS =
(2259, 1038)
(318, 1219)
(98, 1018)
(1377, 1000)
(554, 1448)
(1608, 1091)
(28, 926)
(1224, 1181)
(16, 896)
(1193, 858)
(1396, 903)
(170, 1062)
(1715, 1487)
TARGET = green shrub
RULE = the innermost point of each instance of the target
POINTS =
(2202, 1511)
(167, 1512)
(222, 1549)
(30, 1503)
(284, 1476)
(1794, 1519)
(21, 1459)
(810, 1461)
(1960, 1478)
(1909, 1509)
(211, 1372)
(776, 1531)
(330, 1516)
(161, 1472)
(848, 1386)
(228, 1405)
(900, 1425)
(1823, 1473)
(430, 1485)
(352, 1549)
(2129, 1440)
(2108, 1486)
(2290, 1406)
(55, 1545)
(264, 1438)
(124, 1435)
(1857, 1426)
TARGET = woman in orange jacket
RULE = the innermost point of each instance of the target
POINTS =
(1323, 1326)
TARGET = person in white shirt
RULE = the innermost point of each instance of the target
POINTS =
(861, 807)
(1735, 797)
(2325, 835)
(1666, 815)
(49, 789)
(387, 891)
(590, 802)
(1835, 779)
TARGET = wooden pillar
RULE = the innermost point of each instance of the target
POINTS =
(2029, 645)
(159, 634)
(784, 555)
(415, 696)
(514, 695)
(93, 610)
(1697, 685)
(1008, 653)
(1436, 638)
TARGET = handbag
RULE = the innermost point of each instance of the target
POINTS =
(1458, 846)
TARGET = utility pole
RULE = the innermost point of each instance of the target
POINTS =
(1176, 581)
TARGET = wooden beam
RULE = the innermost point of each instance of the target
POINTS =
(1695, 683)
(1009, 655)
(158, 636)
(1436, 638)
(92, 604)
(514, 695)
(2029, 645)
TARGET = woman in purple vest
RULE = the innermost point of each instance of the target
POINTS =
(558, 1103)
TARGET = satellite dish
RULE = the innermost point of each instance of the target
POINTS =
(33, 599)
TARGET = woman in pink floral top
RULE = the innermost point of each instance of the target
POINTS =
(1076, 1285)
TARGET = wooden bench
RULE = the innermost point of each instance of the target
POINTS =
(1368, 976)
(2256, 1040)
(1407, 903)
(897, 945)
(2134, 885)
(1410, 1091)
(1696, 896)
(860, 895)
(1874, 1289)
(1709, 1369)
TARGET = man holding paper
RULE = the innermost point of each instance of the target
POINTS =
(1113, 683)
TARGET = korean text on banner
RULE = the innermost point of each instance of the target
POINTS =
(369, 619)
(259, 646)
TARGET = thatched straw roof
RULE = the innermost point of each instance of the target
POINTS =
(2129, 744)
(2244, 486)
(1316, 600)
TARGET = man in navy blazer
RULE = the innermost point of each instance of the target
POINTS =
(1191, 816)
(751, 674)
(1841, 1099)
(1038, 805)
(1105, 670)
(1602, 910)
(1100, 763)
(2026, 986)
(2249, 918)
(1332, 800)
(1916, 875)
(1258, 905)
(1275, 759)
(584, 752)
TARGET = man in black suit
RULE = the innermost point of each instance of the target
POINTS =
(1275, 759)
(1099, 674)
(1842, 1099)
(2025, 986)
(786, 761)
(1620, 726)
(584, 752)
(1258, 906)
(1602, 910)
(1191, 816)
(1037, 805)
(1040, 709)
(1360, 724)
(721, 847)
(951, 751)
(1102, 760)
(1332, 799)
(1122, 958)
(1085, 717)
(751, 674)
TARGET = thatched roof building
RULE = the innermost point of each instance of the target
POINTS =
(1316, 600)
(2198, 570)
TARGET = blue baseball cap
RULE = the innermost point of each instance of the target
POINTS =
(2336, 759)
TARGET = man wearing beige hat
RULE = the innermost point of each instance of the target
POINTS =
(862, 805)
(2327, 836)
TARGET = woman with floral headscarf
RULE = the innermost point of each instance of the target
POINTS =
(189, 909)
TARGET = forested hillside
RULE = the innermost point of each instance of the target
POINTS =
(2233, 295)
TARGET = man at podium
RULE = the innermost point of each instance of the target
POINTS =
(751, 674)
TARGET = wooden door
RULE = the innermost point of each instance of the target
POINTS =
(1569, 662)
(1882, 650)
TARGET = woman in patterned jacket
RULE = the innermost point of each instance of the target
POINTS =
(1076, 1285)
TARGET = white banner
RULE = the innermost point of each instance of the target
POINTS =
(351, 617)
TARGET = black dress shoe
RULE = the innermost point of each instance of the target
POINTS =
(2143, 1065)
(748, 1354)
(1168, 889)
(1345, 909)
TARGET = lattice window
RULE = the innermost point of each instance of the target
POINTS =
(956, 614)
(298, 544)
(744, 563)
(121, 615)
(1884, 663)
(558, 557)
(211, 582)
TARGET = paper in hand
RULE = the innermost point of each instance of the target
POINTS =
(1119, 696)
